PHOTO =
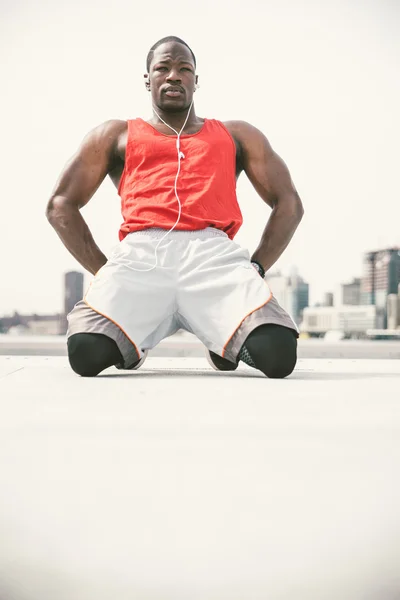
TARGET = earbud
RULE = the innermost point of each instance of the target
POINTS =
(181, 155)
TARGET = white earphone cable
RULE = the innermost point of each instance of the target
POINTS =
(180, 156)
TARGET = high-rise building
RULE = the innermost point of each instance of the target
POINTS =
(328, 299)
(73, 290)
(351, 292)
(291, 292)
(381, 277)
(300, 294)
(279, 285)
(393, 311)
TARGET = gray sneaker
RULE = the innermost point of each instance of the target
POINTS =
(139, 363)
(135, 365)
(218, 363)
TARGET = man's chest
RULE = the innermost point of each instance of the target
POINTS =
(161, 148)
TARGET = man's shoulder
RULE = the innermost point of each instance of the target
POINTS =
(107, 136)
(238, 126)
(112, 126)
(245, 133)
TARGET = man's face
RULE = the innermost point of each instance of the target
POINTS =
(172, 77)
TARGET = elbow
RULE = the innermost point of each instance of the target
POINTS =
(56, 208)
(292, 206)
(299, 208)
(296, 208)
(50, 210)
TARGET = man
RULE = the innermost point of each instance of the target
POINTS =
(176, 265)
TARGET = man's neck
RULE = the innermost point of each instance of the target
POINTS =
(174, 119)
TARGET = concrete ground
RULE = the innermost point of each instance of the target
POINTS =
(179, 483)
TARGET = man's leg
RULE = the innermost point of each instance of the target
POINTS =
(229, 307)
(91, 353)
(272, 349)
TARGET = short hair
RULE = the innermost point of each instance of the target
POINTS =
(164, 40)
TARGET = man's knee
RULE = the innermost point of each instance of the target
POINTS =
(91, 353)
(273, 350)
(279, 370)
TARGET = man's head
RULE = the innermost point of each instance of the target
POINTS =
(171, 74)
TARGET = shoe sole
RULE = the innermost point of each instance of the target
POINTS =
(211, 363)
(141, 361)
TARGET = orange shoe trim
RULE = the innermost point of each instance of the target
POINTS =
(244, 318)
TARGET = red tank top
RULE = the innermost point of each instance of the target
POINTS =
(206, 184)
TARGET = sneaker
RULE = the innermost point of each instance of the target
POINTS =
(139, 363)
(218, 363)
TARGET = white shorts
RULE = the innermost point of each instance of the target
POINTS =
(203, 283)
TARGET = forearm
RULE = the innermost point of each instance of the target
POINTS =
(277, 234)
(75, 235)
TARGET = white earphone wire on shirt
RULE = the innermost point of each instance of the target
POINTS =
(180, 156)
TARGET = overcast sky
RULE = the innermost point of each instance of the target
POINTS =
(320, 79)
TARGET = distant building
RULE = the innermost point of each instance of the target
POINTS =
(299, 297)
(32, 324)
(292, 293)
(15, 320)
(381, 277)
(353, 321)
(45, 324)
(393, 311)
(73, 290)
(55, 324)
(351, 292)
(279, 285)
(328, 299)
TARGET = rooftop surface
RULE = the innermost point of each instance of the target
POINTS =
(175, 482)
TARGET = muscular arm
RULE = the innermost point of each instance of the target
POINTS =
(76, 185)
(271, 179)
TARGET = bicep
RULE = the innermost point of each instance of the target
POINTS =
(266, 170)
(85, 171)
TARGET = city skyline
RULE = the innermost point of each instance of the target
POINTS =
(365, 306)
(334, 291)
(320, 82)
